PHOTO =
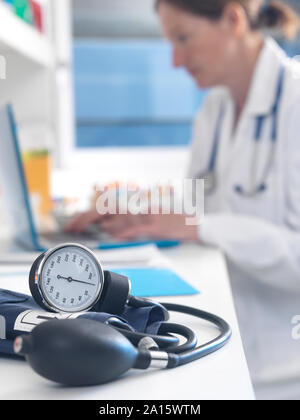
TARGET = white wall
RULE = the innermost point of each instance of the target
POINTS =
(98, 18)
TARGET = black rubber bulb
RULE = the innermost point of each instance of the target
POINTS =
(77, 352)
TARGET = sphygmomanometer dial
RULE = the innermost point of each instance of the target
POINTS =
(67, 278)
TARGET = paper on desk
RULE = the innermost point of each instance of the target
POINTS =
(137, 255)
(142, 255)
(15, 278)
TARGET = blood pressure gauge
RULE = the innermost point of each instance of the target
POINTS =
(69, 278)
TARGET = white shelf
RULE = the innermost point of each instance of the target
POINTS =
(20, 38)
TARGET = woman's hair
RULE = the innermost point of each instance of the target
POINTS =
(271, 14)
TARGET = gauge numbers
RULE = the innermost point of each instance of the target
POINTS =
(71, 279)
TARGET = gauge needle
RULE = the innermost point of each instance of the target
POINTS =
(71, 279)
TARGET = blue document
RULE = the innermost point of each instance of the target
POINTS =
(155, 281)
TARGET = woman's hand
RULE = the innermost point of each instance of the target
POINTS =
(82, 221)
(129, 226)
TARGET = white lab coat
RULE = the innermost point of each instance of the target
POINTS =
(260, 236)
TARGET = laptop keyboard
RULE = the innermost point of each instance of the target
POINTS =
(62, 237)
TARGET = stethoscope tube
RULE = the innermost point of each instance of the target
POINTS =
(181, 354)
(182, 330)
(261, 186)
(207, 348)
(187, 352)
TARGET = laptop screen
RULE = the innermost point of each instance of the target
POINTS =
(13, 184)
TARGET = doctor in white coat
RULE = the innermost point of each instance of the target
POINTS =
(246, 145)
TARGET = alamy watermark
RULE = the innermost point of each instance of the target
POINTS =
(296, 329)
(2, 328)
(185, 197)
(2, 67)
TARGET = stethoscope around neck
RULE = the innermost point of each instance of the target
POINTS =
(257, 187)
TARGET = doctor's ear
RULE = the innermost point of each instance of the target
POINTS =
(234, 20)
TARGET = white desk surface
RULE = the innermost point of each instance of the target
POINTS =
(222, 375)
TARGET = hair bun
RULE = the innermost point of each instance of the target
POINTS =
(277, 15)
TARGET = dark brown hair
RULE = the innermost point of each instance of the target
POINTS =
(272, 15)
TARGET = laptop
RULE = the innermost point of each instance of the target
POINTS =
(16, 199)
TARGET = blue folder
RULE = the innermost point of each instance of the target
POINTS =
(153, 281)
(159, 243)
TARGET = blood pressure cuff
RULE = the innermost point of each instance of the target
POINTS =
(19, 314)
